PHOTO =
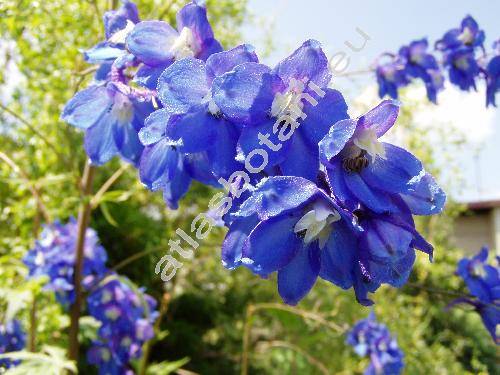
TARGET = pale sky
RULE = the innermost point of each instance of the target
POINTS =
(389, 25)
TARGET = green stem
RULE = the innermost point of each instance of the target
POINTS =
(83, 221)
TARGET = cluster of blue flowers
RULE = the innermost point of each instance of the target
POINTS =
(372, 339)
(459, 49)
(127, 319)
(12, 339)
(483, 281)
(126, 314)
(53, 256)
(323, 196)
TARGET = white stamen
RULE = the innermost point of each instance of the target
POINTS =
(316, 223)
(121, 35)
(184, 45)
(467, 37)
(367, 140)
(289, 103)
(123, 109)
(212, 107)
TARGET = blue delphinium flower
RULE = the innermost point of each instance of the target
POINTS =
(372, 339)
(157, 44)
(288, 109)
(117, 24)
(111, 114)
(483, 281)
(391, 75)
(419, 63)
(54, 257)
(463, 68)
(493, 76)
(459, 47)
(127, 316)
(291, 226)
(12, 339)
(190, 125)
(363, 170)
(467, 35)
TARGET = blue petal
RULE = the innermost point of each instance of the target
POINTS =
(339, 189)
(194, 131)
(209, 47)
(336, 139)
(223, 62)
(116, 20)
(99, 141)
(154, 127)
(222, 153)
(86, 108)
(382, 117)
(197, 165)
(491, 320)
(235, 238)
(147, 76)
(183, 84)
(297, 278)
(103, 52)
(320, 118)
(194, 17)
(177, 186)
(276, 195)
(373, 198)
(245, 94)
(127, 141)
(271, 245)
(398, 172)
(158, 165)
(427, 198)
(150, 42)
(249, 141)
(307, 63)
(386, 241)
(302, 159)
(337, 258)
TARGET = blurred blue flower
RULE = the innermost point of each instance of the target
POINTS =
(54, 257)
(467, 35)
(421, 64)
(391, 75)
(483, 281)
(127, 316)
(462, 68)
(12, 339)
(372, 339)
(493, 76)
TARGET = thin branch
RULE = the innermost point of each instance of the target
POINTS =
(312, 360)
(34, 130)
(105, 187)
(33, 189)
(83, 221)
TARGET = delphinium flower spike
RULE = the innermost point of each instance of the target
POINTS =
(12, 339)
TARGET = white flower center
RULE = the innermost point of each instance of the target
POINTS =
(467, 36)
(121, 35)
(112, 313)
(122, 109)
(184, 45)
(367, 140)
(212, 107)
(289, 103)
(316, 223)
(478, 270)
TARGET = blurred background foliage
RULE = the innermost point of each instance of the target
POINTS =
(209, 308)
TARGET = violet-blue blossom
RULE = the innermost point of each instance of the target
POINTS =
(372, 339)
(285, 110)
(391, 75)
(467, 35)
(190, 122)
(493, 76)
(127, 316)
(363, 170)
(157, 44)
(419, 63)
(12, 339)
(53, 256)
(483, 281)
